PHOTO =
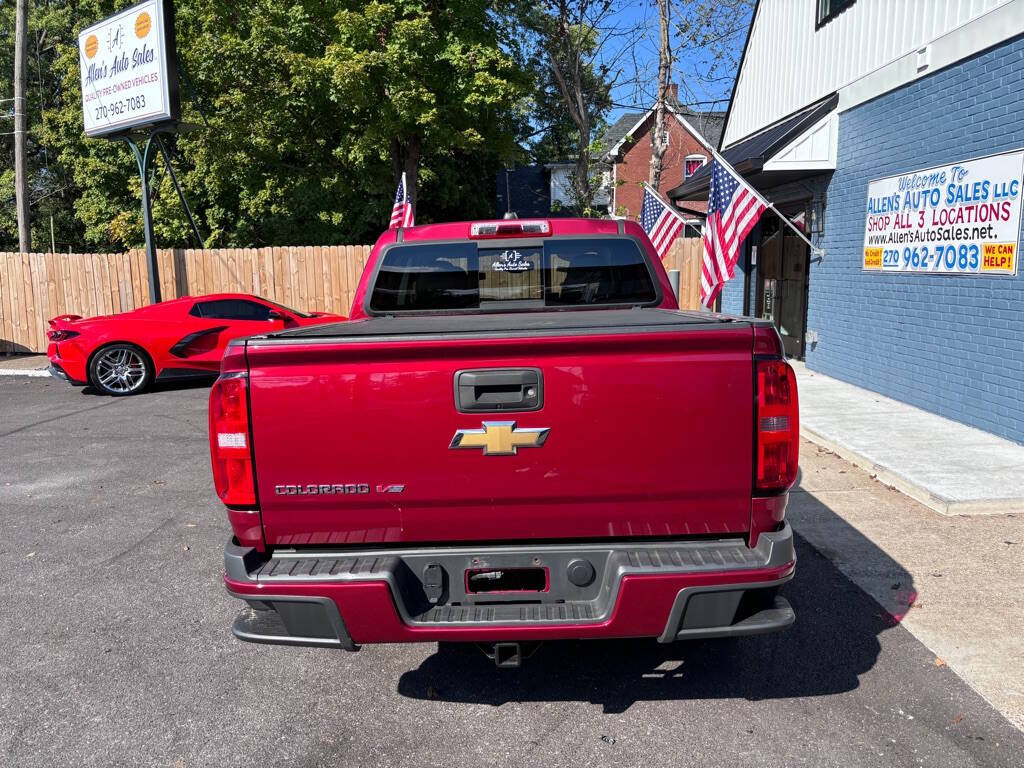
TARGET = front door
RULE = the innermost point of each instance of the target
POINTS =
(782, 283)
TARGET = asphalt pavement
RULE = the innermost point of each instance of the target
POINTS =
(117, 647)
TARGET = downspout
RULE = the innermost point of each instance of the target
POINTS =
(615, 189)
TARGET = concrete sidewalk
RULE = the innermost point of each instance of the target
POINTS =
(950, 467)
(954, 581)
(24, 365)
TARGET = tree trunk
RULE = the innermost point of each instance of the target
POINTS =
(581, 178)
(20, 167)
(405, 158)
(572, 93)
(397, 162)
(659, 136)
(412, 170)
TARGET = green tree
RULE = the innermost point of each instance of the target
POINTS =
(51, 190)
(300, 111)
(575, 76)
(557, 137)
(430, 83)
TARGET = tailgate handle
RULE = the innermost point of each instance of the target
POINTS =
(499, 389)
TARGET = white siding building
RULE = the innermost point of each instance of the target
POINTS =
(894, 129)
(864, 49)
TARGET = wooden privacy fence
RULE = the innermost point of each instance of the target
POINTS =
(37, 286)
(685, 255)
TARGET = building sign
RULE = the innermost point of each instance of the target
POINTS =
(128, 68)
(958, 219)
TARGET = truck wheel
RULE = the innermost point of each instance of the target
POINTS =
(120, 369)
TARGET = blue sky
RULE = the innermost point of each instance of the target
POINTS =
(638, 80)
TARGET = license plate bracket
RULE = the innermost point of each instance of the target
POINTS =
(506, 580)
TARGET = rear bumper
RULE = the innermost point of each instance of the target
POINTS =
(668, 590)
(67, 362)
(58, 372)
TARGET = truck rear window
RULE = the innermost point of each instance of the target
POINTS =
(558, 273)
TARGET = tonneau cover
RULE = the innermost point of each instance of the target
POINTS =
(647, 417)
(507, 324)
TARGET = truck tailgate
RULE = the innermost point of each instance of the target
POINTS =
(649, 434)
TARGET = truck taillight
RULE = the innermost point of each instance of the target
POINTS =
(778, 427)
(229, 441)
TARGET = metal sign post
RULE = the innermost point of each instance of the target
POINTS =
(142, 159)
(142, 163)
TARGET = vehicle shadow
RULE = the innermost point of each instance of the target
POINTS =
(835, 640)
(173, 385)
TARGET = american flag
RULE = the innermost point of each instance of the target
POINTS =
(733, 210)
(401, 213)
(661, 223)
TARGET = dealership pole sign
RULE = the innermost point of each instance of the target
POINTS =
(130, 91)
(128, 69)
(958, 219)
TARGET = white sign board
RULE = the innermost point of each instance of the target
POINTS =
(129, 76)
(958, 219)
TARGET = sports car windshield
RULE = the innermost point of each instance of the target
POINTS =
(556, 273)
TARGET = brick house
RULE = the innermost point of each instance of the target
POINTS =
(627, 150)
(623, 158)
(906, 160)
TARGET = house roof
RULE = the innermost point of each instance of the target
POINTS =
(621, 128)
(749, 156)
(611, 137)
(706, 125)
(710, 125)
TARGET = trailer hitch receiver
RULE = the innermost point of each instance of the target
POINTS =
(507, 655)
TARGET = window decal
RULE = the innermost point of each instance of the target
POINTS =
(512, 261)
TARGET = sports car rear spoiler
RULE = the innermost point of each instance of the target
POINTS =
(62, 320)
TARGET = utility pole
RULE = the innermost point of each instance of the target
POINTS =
(20, 166)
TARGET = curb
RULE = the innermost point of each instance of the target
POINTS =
(33, 372)
(906, 486)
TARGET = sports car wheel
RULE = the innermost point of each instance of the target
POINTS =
(120, 369)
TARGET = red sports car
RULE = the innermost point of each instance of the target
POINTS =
(122, 354)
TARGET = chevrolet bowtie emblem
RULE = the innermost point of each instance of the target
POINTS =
(500, 438)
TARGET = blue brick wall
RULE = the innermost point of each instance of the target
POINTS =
(951, 345)
(732, 291)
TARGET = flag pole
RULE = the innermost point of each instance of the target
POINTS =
(759, 196)
(666, 203)
(767, 204)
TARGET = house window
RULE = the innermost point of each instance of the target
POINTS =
(692, 164)
(829, 8)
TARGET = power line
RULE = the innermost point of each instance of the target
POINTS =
(645, 107)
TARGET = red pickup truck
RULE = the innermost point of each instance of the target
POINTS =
(516, 437)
